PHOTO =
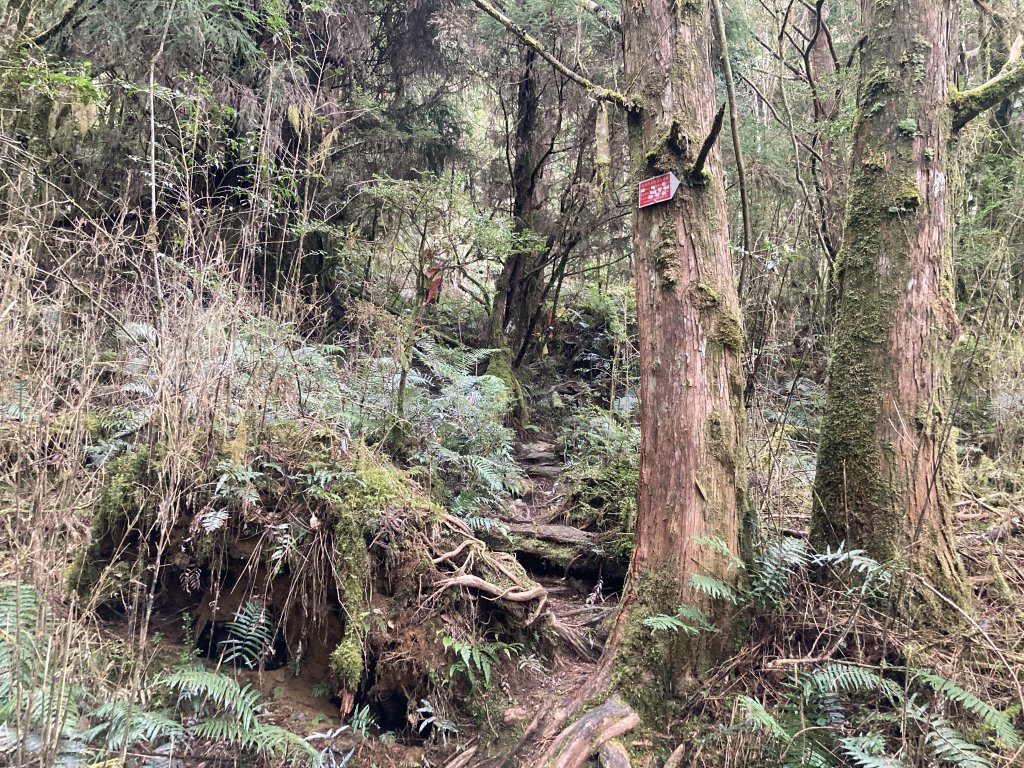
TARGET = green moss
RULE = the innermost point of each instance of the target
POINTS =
(874, 159)
(500, 366)
(729, 330)
(906, 197)
(346, 663)
(907, 127)
(125, 503)
(372, 487)
(706, 297)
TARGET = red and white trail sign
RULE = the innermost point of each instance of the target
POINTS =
(660, 189)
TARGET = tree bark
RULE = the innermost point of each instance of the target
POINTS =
(886, 469)
(692, 465)
(518, 288)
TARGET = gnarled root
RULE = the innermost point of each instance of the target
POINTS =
(468, 564)
(590, 733)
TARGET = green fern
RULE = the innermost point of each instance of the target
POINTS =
(721, 547)
(770, 577)
(867, 751)
(762, 718)
(948, 746)
(833, 677)
(688, 620)
(27, 695)
(993, 719)
(713, 588)
(208, 691)
(118, 722)
(874, 575)
(251, 635)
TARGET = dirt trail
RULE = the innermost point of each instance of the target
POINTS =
(579, 601)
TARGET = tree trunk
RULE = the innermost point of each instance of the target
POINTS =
(692, 461)
(886, 468)
(519, 286)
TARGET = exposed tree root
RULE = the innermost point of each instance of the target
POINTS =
(512, 594)
(592, 731)
(462, 760)
(614, 755)
(676, 757)
(471, 565)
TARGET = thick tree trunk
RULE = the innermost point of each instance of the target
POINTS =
(692, 464)
(518, 288)
(886, 468)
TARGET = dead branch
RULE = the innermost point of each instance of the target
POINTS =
(599, 92)
(1012, 527)
(709, 142)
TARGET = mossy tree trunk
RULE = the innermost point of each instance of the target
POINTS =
(886, 469)
(692, 466)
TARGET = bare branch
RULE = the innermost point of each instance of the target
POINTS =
(44, 37)
(599, 92)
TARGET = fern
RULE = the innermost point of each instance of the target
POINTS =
(993, 719)
(777, 564)
(721, 547)
(762, 718)
(25, 694)
(864, 752)
(205, 690)
(854, 561)
(213, 519)
(713, 588)
(833, 677)
(251, 635)
(119, 722)
(688, 620)
(949, 747)
(485, 525)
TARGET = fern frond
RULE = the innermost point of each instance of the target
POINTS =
(713, 588)
(833, 677)
(761, 717)
(721, 547)
(204, 689)
(781, 559)
(864, 751)
(993, 719)
(251, 635)
(949, 746)
(122, 723)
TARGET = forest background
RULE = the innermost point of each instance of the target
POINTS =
(324, 329)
